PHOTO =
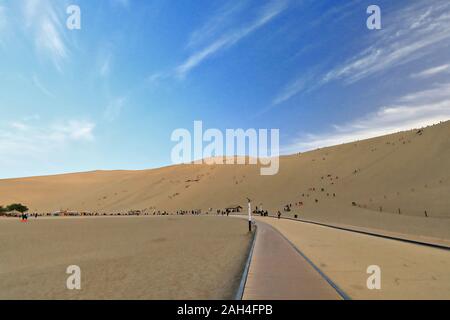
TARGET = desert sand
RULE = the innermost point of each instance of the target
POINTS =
(408, 271)
(123, 257)
(399, 182)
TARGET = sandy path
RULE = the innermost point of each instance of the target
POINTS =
(278, 272)
(123, 258)
(408, 271)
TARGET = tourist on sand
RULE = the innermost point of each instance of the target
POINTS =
(279, 214)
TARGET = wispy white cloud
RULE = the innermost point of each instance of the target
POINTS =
(74, 130)
(415, 110)
(19, 125)
(407, 38)
(43, 22)
(290, 90)
(432, 71)
(114, 108)
(29, 137)
(155, 77)
(41, 86)
(436, 93)
(105, 65)
(223, 18)
(408, 34)
(304, 83)
(228, 39)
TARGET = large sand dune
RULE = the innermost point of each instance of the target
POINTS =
(399, 182)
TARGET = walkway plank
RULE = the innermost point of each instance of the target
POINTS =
(278, 272)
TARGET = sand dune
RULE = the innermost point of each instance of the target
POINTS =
(398, 182)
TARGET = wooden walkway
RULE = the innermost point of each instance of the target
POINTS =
(279, 272)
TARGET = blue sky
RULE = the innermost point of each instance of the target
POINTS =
(109, 96)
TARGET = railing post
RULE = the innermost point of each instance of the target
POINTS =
(249, 215)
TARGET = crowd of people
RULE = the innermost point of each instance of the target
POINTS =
(146, 212)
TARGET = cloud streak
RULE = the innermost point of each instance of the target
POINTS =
(432, 71)
(42, 21)
(114, 108)
(41, 87)
(220, 20)
(415, 110)
(407, 39)
(228, 39)
(410, 34)
(105, 66)
(28, 138)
